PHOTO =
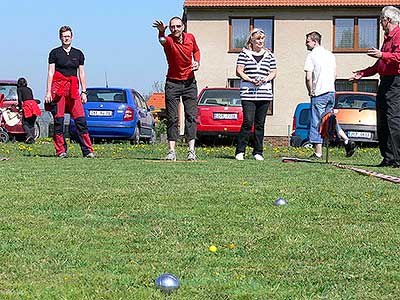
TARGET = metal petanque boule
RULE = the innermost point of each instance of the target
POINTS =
(167, 283)
(280, 201)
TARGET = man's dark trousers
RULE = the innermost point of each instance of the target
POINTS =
(174, 90)
(388, 118)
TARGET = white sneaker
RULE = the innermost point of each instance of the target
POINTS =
(239, 156)
(62, 155)
(171, 156)
(258, 157)
(191, 155)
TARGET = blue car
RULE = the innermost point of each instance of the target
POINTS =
(301, 126)
(355, 112)
(117, 114)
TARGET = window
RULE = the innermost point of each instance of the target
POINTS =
(355, 34)
(106, 95)
(355, 101)
(9, 91)
(364, 85)
(305, 116)
(233, 82)
(139, 99)
(215, 97)
(241, 27)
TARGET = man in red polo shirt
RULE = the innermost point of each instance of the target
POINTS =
(183, 57)
(388, 96)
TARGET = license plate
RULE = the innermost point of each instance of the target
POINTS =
(359, 134)
(225, 116)
(100, 113)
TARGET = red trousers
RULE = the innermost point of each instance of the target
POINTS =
(75, 109)
(65, 104)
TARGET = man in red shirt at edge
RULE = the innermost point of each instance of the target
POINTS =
(183, 56)
(388, 95)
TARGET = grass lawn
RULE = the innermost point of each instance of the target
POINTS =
(105, 228)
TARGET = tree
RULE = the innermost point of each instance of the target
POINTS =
(156, 87)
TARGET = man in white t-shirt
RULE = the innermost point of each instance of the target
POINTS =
(320, 68)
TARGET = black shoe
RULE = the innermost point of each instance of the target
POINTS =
(395, 164)
(385, 163)
(29, 140)
(350, 148)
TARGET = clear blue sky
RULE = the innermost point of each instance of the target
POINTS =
(116, 37)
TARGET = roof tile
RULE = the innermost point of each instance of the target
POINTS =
(157, 100)
(274, 3)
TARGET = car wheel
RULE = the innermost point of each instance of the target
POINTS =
(37, 130)
(136, 136)
(295, 141)
(4, 138)
(307, 144)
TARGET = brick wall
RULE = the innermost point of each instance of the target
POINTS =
(276, 141)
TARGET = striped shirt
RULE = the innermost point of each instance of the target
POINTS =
(256, 70)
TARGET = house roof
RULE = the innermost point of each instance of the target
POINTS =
(157, 100)
(286, 3)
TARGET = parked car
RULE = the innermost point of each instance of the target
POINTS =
(9, 89)
(117, 114)
(219, 112)
(355, 112)
(301, 126)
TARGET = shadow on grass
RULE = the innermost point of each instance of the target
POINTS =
(324, 162)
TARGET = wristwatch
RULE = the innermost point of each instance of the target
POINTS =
(84, 92)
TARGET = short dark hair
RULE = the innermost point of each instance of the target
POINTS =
(175, 18)
(22, 82)
(64, 29)
(314, 36)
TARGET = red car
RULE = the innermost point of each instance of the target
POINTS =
(219, 112)
(9, 89)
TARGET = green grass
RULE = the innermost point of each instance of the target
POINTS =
(106, 228)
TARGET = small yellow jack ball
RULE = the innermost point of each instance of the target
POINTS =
(213, 249)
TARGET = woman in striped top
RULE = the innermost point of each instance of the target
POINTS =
(256, 66)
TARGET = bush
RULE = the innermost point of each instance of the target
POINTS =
(161, 127)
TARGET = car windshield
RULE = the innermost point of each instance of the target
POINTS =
(355, 101)
(106, 95)
(9, 91)
(220, 98)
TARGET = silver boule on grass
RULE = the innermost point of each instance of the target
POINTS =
(280, 201)
(167, 283)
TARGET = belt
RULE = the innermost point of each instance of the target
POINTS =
(190, 80)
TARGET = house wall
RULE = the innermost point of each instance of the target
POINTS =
(211, 29)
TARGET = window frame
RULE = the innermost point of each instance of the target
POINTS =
(230, 82)
(237, 50)
(355, 49)
(355, 84)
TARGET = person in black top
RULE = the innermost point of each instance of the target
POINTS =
(67, 62)
(65, 72)
(30, 109)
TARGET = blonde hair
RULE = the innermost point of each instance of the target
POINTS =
(254, 34)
